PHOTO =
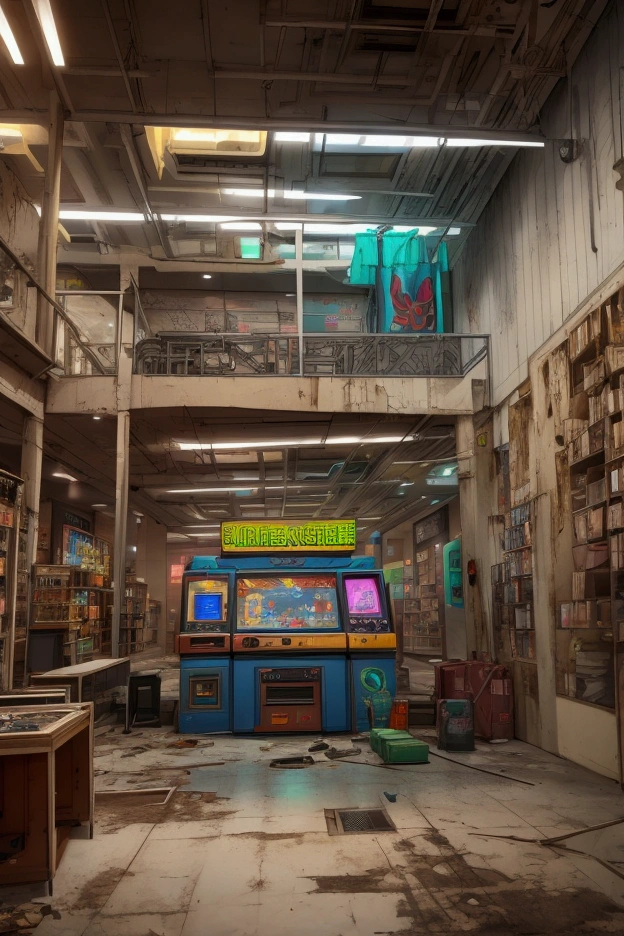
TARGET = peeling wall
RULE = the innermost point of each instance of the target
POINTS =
(552, 232)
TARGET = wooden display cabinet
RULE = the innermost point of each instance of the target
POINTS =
(46, 787)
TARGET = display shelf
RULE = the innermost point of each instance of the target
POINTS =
(585, 639)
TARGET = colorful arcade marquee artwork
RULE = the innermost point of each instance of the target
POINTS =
(305, 536)
(285, 631)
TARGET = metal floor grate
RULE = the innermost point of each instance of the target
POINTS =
(350, 821)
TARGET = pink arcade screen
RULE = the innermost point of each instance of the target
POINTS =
(363, 596)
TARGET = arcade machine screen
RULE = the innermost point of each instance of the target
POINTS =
(363, 597)
(365, 605)
(297, 602)
(206, 606)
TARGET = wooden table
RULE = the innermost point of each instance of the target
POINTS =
(46, 787)
(95, 681)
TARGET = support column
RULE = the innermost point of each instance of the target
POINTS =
(31, 464)
(299, 283)
(48, 225)
(121, 522)
(474, 503)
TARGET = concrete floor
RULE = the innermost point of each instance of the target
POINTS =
(243, 850)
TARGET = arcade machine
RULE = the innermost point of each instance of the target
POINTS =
(312, 646)
(371, 645)
(204, 645)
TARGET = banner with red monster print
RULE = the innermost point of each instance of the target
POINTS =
(408, 281)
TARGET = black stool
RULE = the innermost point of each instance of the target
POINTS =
(143, 700)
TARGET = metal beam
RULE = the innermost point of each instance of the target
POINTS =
(303, 124)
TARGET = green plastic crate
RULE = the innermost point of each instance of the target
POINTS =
(402, 751)
(377, 734)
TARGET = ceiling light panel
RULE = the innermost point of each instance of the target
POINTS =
(45, 16)
(9, 40)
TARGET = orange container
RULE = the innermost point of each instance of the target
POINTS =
(399, 714)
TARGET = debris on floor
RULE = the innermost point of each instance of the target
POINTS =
(318, 746)
(24, 918)
(292, 763)
(334, 753)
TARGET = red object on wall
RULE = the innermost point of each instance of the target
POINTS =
(490, 687)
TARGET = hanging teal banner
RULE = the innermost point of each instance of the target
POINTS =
(409, 283)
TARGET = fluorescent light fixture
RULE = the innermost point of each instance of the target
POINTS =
(436, 501)
(322, 196)
(64, 475)
(371, 518)
(290, 295)
(134, 549)
(287, 136)
(249, 192)
(408, 483)
(288, 225)
(284, 443)
(342, 139)
(309, 196)
(211, 490)
(203, 535)
(448, 471)
(241, 226)
(9, 40)
(48, 27)
(99, 505)
(207, 276)
(66, 214)
(97, 417)
(137, 513)
(456, 141)
(206, 526)
(389, 141)
(196, 218)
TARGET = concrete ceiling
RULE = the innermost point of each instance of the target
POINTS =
(438, 67)
(401, 466)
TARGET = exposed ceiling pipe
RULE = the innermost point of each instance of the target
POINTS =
(118, 55)
(304, 125)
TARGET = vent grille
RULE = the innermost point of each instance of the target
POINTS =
(357, 821)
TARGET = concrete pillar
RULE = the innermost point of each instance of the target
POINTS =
(48, 225)
(121, 522)
(31, 463)
(474, 502)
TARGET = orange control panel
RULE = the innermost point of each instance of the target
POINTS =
(250, 642)
(372, 641)
(202, 643)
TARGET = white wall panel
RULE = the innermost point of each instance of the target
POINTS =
(530, 261)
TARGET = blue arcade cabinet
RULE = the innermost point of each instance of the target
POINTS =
(204, 645)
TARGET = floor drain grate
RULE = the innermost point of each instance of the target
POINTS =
(354, 821)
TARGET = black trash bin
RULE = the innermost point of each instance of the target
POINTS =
(143, 700)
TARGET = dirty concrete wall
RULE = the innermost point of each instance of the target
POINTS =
(552, 232)
(151, 564)
(588, 736)
(19, 227)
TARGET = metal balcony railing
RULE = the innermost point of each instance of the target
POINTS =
(323, 355)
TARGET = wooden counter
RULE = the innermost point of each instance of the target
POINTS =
(46, 787)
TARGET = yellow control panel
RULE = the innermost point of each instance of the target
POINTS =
(372, 641)
(290, 642)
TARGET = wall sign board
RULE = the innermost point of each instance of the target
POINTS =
(309, 536)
